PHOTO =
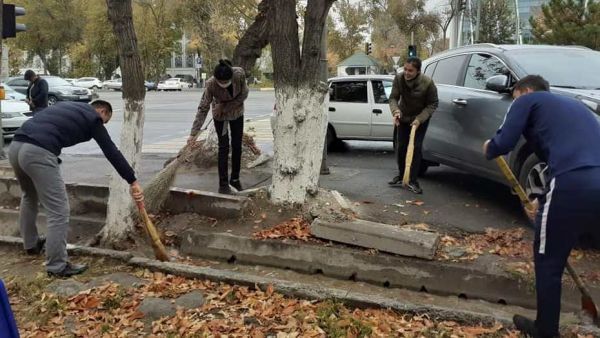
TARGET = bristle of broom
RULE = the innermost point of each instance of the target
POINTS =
(157, 191)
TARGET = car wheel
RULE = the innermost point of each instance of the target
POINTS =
(95, 87)
(533, 176)
(330, 138)
(52, 100)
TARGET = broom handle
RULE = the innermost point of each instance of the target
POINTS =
(409, 155)
(159, 249)
(516, 186)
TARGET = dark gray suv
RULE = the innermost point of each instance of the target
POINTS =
(474, 85)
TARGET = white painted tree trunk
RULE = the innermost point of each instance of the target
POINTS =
(299, 137)
(119, 221)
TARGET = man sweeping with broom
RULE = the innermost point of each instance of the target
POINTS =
(225, 93)
(565, 134)
(412, 101)
(34, 155)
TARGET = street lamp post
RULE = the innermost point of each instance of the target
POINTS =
(519, 38)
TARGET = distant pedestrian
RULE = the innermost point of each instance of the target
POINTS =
(225, 94)
(412, 101)
(37, 91)
(564, 134)
(33, 154)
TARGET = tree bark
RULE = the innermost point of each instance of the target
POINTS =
(254, 40)
(301, 118)
(119, 223)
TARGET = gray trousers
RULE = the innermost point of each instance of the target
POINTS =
(38, 173)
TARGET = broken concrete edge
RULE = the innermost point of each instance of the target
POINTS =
(380, 236)
(290, 289)
(297, 290)
(90, 197)
(344, 202)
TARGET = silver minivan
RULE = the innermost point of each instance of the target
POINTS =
(359, 108)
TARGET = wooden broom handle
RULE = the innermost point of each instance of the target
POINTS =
(409, 156)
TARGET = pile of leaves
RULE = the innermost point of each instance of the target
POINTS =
(504, 243)
(295, 228)
(233, 311)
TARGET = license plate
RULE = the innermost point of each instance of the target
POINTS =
(83, 97)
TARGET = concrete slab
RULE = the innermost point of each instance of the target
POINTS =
(383, 237)
(91, 199)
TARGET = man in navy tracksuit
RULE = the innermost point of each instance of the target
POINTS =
(566, 135)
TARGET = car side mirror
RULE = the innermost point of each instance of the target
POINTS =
(498, 83)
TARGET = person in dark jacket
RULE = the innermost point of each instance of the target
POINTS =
(225, 93)
(565, 135)
(412, 101)
(33, 154)
(37, 91)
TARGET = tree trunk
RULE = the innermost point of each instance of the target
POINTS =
(301, 119)
(119, 223)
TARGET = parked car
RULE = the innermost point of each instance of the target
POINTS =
(150, 85)
(12, 94)
(474, 85)
(69, 80)
(114, 84)
(188, 80)
(58, 89)
(88, 82)
(171, 84)
(14, 114)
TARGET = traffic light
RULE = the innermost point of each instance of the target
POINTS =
(412, 51)
(368, 48)
(462, 5)
(10, 27)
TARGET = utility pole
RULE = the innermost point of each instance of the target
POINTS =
(478, 21)
(324, 76)
(519, 38)
(2, 153)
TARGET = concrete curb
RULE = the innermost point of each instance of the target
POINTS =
(92, 198)
(292, 289)
(471, 281)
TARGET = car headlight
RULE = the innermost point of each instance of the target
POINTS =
(10, 115)
(591, 104)
(64, 92)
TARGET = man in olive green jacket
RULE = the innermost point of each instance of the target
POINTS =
(412, 101)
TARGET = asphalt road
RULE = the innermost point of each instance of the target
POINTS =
(360, 170)
(169, 115)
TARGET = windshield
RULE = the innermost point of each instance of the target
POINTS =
(56, 81)
(569, 68)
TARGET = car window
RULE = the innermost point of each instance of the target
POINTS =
(18, 83)
(448, 70)
(381, 90)
(349, 91)
(481, 67)
(430, 68)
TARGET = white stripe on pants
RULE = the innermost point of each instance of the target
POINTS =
(543, 230)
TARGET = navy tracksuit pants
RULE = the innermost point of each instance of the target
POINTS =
(570, 208)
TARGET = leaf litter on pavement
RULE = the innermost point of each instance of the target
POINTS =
(229, 311)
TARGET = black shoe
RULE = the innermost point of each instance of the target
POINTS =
(38, 248)
(396, 180)
(225, 189)
(69, 270)
(236, 184)
(527, 326)
(414, 187)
